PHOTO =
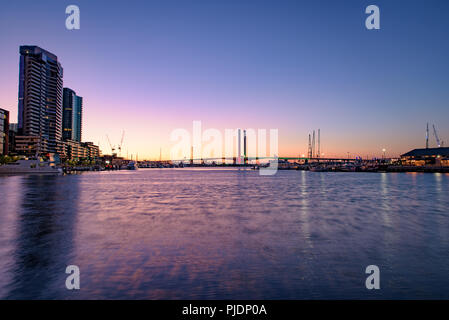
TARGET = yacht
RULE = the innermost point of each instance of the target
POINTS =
(29, 166)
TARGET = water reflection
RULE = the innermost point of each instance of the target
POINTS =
(10, 192)
(218, 234)
(304, 209)
(46, 218)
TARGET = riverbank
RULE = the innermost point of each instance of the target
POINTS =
(282, 166)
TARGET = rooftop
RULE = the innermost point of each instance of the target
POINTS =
(427, 152)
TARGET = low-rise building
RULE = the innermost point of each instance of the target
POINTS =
(426, 157)
(93, 151)
(28, 145)
(74, 150)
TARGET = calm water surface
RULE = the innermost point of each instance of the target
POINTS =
(224, 234)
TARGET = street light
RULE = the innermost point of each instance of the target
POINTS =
(384, 150)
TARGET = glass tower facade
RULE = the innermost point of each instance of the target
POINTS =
(72, 115)
(40, 97)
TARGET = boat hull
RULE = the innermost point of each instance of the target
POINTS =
(29, 167)
(30, 171)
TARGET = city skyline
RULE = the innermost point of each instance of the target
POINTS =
(295, 68)
(224, 157)
(49, 115)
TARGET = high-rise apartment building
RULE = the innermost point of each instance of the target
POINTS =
(72, 115)
(4, 132)
(40, 98)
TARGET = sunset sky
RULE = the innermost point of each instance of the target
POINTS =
(149, 67)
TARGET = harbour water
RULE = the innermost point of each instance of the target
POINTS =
(224, 234)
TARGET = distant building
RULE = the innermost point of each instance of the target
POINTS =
(93, 151)
(4, 132)
(72, 115)
(40, 100)
(13, 127)
(12, 137)
(112, 160)
(74, 150)
(426, 157)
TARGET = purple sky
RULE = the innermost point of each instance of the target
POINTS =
(149, 67)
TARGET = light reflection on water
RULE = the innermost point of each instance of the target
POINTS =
(217, 234)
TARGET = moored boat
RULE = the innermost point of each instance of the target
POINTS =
(29, 167)
(132, 165)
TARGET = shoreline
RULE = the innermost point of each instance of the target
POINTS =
(380, 169)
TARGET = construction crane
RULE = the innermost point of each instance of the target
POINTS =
(121, 143)
(435, 133)
(112, 147)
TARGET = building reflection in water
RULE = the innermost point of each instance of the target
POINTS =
(44, 241)
(224, 234)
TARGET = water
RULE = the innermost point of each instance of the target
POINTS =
(224, 234)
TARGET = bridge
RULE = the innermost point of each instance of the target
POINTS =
(245, 160)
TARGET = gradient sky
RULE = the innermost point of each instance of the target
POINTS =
(148, 67)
